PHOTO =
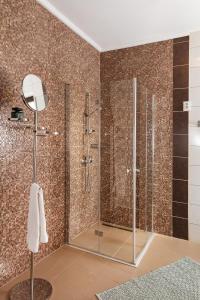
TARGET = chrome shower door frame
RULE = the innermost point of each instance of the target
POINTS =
(134, 165)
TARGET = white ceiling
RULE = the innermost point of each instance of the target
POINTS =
(114, 24)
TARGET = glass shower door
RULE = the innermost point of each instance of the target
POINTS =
(83, 169)
(118, 167)
(111, 164)
(145, 165)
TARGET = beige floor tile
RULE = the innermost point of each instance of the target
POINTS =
(79, 283)
(77, 275)
(59, 262)
(105, 268)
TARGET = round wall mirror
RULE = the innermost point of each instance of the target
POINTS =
(34, 93)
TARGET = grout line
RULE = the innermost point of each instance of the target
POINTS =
(180, 156)
(182, 88)
(181, 65)
(180, 111)
(174, 43)
(180, 134)
(186, 203)
(192, 47)
(194, 67)
(191, 145)
(185, 88)
(193, 204)
(175, 111)
(190, 223)
(180, 217)
(180, 179)
(193, 86)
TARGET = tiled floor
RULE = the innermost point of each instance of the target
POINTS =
(76, 275)
(115, 242)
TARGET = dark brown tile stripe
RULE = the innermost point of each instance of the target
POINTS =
(180, 168)
(181, 76)
(180, 210)
(181, 54)
(180, 122)
(181, 39)
(180, 145)
(180, 228)
(180, 137)
(180, 191)
(179, 96)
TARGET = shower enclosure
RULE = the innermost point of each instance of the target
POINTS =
(111, 172)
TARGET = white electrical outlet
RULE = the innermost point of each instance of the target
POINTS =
(186, 106)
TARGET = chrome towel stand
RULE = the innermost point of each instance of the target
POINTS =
(35, 97)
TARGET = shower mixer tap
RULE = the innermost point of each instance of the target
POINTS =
(89, 130)
(87, 160)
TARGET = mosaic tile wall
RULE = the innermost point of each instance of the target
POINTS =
(152, 65)
(32, 40)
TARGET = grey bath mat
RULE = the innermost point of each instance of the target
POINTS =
(177, 281)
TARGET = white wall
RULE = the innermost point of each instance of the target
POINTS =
(194, 138)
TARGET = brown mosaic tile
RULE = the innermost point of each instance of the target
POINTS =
(34, 41)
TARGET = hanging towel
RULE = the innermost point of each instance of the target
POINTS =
(36, 219)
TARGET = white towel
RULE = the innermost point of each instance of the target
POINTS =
(36, 219)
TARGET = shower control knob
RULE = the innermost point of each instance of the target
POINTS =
(83, 160)
(89, 131)
(86, 160)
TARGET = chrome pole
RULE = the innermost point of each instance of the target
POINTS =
(35, 147)
(31, 278)
(34, 180)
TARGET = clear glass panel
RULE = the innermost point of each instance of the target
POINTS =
(145, 155)
(83, 146)
(116, 200)
(111, 155)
